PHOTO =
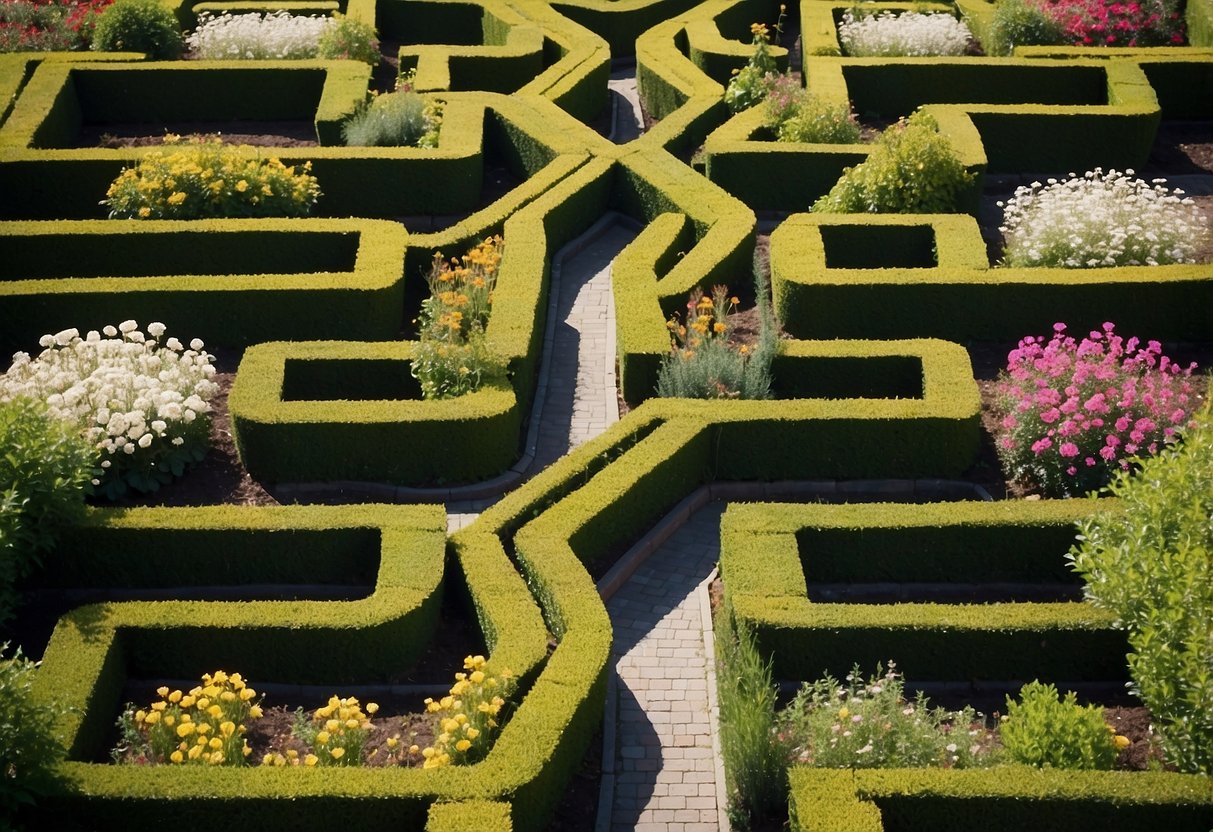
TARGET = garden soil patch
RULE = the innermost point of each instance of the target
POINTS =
(253, 133)
(1181, 147)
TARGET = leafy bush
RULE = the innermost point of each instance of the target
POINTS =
(796, 115)
(52, 26)
(1101, 220)
(399, 119)
(703, 364)
(1073, 413)
(1149, 562)
(1045, 731)
(468, 715)
(257, 36)
(203, 178)
(146, 26)
(913, 170)
(871, 725)
(750, 84)
(452, 357)
(45, 470)
(350, 39)
(29, 748)
(754, 759)
(1021, 23)
(906, 34)
(141, 403)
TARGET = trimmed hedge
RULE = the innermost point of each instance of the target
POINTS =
(621, 22)
(822, 291)
(768, 550)
(481, 815)
(1003, 799)
(229, 282)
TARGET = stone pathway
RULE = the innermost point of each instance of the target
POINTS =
(665, 772)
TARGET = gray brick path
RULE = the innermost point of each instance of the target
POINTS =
(665, 766)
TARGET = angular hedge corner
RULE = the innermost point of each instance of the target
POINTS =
(769, 550)
(871, 276)
(229, 282)
(1005, 799)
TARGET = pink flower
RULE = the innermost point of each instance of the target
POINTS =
(1068, 449)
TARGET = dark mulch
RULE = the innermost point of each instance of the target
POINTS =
(273, 734)
(1181, 147)
(578, 807)
(254, 133)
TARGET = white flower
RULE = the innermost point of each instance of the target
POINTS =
(196, 345)
(257, 37)
(156, 329)
(909, 34)
(127, 326)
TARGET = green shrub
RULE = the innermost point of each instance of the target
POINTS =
(796, 115)
(399, 119)
(29, 748)
(139, 26)
(754, 759)
(45, 470)
(1048, 732)
(198, 179)
(1150, 562)
(1021, 23)
(871, 725)
(913, 170)
(352, 40)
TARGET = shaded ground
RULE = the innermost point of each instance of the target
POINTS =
(254, 133)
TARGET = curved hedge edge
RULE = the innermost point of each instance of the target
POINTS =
(665, 77)
(577, 80)
(960, 299)
(481, 815)
(1001, 799)
(620, 22)
(230, 309)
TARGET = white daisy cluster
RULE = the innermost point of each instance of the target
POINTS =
(143, 403)
(910, 34)
(1101, 219)
(257, 37)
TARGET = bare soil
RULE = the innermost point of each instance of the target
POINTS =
(253, 133)
(1181, 147)
(272, 733)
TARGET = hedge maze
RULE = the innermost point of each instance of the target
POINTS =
(872, 380)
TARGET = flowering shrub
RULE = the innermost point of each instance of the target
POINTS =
(335, 734)
(139, 26)
(1045, 731)
(913, 170)
(142, 403)
(196, 179)
(871, 725)
(1101, 220)
(256, 36)
(51, 26)
(1073, 413)
(796, 115)
(906, 34)
(351, 40)
(467, 715)
(1021, 23)
(1119, 23)
(45, 470)
(27, 736)
(452, 357)
(203, 727)
(1148, 563)
(702, 363)
(399, 119)
(750, 84)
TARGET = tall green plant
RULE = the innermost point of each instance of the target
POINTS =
(1044, 730)
(29, 748)
(754, 759)
(1150, 561)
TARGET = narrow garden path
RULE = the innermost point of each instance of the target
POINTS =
(662, 774)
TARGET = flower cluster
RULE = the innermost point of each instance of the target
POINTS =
(256, 36)
(336, 734)
(908, 34)
(1101, 220)
(467, 715)
(750, 84)
(203, 727)
(1119, 23)
(870, 725)
(142, 402)
(1073, 413)
(202, 178)
(796, 115)
(452, 357)
(48, 25)
(702, 362)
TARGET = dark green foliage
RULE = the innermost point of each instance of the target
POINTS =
(139, 26)
(29, 748)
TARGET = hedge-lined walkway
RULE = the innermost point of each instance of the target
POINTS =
(665, 768)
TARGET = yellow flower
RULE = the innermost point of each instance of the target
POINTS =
(177, 757)
(145, 212)
(337, 753)
(332, 725)
(843, 713)
(185, 729)
(311, 760)
(392, 742)
(241, 187)
(372, 708)
(1122, 741)
(463, 745)
(227, 728)
(323, 738)
(175, 696)
(176, 198)
(471, 732)
(163, 691)
(255, 712)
